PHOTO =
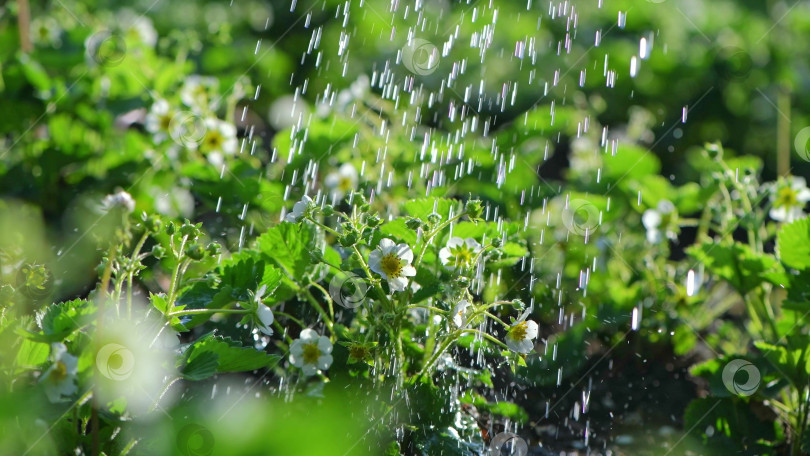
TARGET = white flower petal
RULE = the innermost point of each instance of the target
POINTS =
(405, 253)
(324, 345)
(444, 255)
(324, 361)
(408, 271)
(309, 370)
(398, 284)
(531, 330)
(308, 335)
(651, 219)
(454, 242)
(386, 244)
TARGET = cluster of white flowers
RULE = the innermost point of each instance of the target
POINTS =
(393, 262)
(194, 126)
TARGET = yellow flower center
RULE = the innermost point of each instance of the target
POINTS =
(345, 184)
(165, 121)
(358, 351)
(311, 353)
(59, 372)
(786, 197)
(518, 331)
(391, 265)
(214, 140)
(461, 255)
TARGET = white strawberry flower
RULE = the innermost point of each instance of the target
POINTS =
(393, 263)
(60, 379)
(788, 198)
(459, 254)
(264, 313)
(342, 181)
(460, 313)
(118, 200)
(311, 352)
(661, 221)
(219, 140)
(299, 210)
(520, 335)
(159, 120)
(198, 93)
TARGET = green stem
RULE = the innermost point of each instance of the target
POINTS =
(433, 233)
(487, 336)
(290, 317)
(328, 300)
(181, 313)
(374, 282)
(420, 306)
(317, 306)
(490, 315)
(442, 348)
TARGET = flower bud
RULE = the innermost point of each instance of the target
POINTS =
(195, 251)
(497, 242)
(474, 208)
(414, 223)
(373, 221)
(434, 218)
(348, 239)
(214, 249)
(158, 251)
(328, 210)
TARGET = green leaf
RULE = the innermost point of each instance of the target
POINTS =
(160, 303)
(630, 163)
(396, 229)
(231, 355)
(737, 428)
(202, 296)
(793, 244)
(32, 354)
(201, 367)
(287, 245)
(421, 208)
(736, 263)
(60, 320)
